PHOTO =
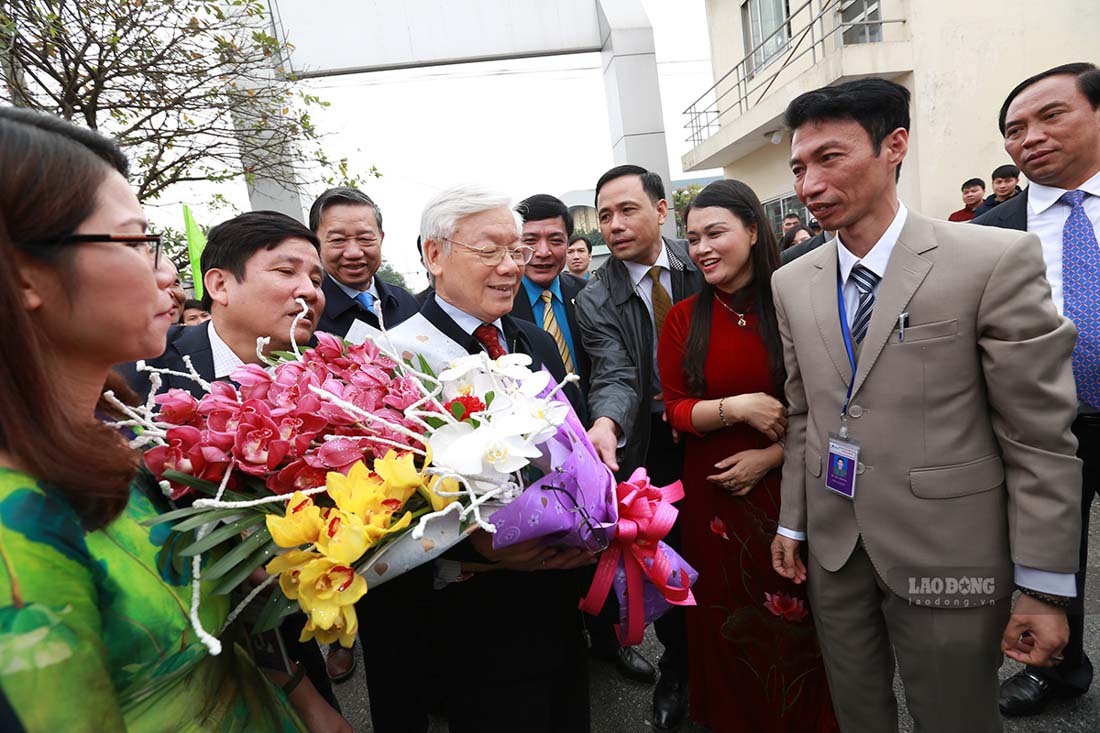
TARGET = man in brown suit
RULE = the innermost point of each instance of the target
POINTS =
(935, 351)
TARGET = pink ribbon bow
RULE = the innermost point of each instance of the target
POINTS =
(646, 515)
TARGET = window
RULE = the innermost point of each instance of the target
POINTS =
(861, 11)
(765, 25)
(778, 208)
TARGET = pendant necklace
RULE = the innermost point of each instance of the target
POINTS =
(740, 316)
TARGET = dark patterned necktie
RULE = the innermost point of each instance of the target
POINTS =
(865, 281)
(1080, 284)
(486, 333)
(662, 302)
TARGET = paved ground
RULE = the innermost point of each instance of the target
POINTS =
(622, 706)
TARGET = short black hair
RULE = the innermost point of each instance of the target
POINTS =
(543, 206)
(345, 195)
(1005, 171)
(231, 244)
(878, 105)
(1088, 83)
(191, 303)
(973, 182)
(582, 238)
(793, 215)
(651, 182)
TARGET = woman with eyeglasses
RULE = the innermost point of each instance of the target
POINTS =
(755, 663)
(94, 627)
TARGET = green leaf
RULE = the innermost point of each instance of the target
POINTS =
(238, 554)
(210, 515)
(221, 534)
(277, 608)
(435, 422)
(260, 557)
(173, 515)
(458, 410)
(424, 365)
(489, 397)
(204, 486)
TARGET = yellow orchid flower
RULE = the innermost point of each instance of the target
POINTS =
(288, 567)
(343, 630)
(325, 588)
(353, 492)
(300, 525)
(343, 537)
(400, 476)
(436, 483)
(379, 524)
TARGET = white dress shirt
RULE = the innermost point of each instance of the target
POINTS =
(469, 323)
(1046, 217)
(875, 261)
(225, 359)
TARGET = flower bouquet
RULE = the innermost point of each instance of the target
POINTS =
(344, 465)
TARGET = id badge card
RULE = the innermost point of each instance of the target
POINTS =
(840, 472)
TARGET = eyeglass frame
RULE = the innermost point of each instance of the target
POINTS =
(155, 240)
(482, 251)
(595, 530)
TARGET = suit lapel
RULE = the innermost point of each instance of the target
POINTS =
(827, 313)
(905, 272)
(438, 318)
(194, 341)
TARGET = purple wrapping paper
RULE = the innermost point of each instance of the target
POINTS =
(544, 513)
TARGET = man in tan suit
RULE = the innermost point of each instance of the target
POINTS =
(930, 356)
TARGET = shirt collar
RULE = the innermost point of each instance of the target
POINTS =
(464, 320)
(638, 271)
(225, 359)
(877, 259)
(1040, 197)
(534, 292)
(352, 292)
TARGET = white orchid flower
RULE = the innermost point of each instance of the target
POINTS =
(485, 450)
(537, 419)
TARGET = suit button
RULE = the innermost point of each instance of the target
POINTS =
(855, 411)
(860, 468)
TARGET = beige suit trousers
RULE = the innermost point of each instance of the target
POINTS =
(948, 658)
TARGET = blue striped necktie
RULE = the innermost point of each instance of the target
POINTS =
(865, 281)
(1080, 281)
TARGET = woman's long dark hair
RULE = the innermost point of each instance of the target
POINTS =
(51, 176)
(742, 202)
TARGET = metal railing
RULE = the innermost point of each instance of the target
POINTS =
(733, 91)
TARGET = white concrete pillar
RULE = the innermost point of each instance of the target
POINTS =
(629, 63)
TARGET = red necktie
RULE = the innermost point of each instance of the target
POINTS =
(486, 333)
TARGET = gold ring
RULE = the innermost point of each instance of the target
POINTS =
(1057, 658)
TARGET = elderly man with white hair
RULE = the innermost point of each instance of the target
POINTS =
(507, 650)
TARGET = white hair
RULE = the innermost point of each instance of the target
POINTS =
(442, 214)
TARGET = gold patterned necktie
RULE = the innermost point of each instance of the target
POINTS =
(662, 303)
(550, 325)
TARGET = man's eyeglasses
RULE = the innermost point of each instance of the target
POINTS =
(493, 256)
(592, 534)
(151, 242)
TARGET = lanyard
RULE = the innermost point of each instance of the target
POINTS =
(846, 332)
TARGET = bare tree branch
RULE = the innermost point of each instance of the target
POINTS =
(192, 89)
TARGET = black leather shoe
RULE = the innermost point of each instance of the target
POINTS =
(1026, 693)
(634, 666)
(670, 705)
